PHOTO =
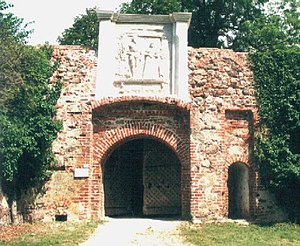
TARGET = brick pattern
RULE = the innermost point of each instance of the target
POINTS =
(64, 194)
(181, 104)
(208, 133)
(222, 119)
(117, 123)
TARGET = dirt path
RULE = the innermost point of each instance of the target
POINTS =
(133, 231)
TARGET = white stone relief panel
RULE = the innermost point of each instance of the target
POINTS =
(143, 59)
(144, 55)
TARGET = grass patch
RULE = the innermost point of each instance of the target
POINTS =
(234, 234)
(56, 233)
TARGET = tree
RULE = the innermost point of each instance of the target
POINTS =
(11, 26)
(27, 109)
(238, 24)
(12, 33)
(151, 7)
(85, 31)
(215, 23)
(278, 29)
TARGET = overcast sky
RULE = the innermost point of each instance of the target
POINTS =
(52, 17)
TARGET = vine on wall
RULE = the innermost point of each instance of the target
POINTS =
(277, 146)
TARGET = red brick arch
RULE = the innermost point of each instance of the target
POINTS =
(176, 139)
(113, 138)
(237, 159)
(108, 135)
(180, 104)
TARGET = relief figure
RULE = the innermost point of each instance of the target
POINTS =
(152, 60)
(140, 59)
(134, 59)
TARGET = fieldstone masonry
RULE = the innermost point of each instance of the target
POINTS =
(222, 121)
(211, 132)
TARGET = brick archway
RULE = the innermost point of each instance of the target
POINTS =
(142, 177)
(120, 135)
(114, 124)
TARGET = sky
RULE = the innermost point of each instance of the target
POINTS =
(52, 17)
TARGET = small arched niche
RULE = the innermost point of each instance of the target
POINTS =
(238, 191)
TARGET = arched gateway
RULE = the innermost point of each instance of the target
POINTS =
(142, 177)
(151, 127)
(142, 151)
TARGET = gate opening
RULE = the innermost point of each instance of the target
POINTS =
(142, 177)
(238, 189)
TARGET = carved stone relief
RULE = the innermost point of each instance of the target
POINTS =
(143, 60)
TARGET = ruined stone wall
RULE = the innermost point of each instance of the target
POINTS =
(64, 194)
(223, 118)
(209, 133)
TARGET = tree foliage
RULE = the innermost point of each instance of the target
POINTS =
(215, 23)
(238, 24)
(277, 149)
(85, 31)
(11, 27)
(151, 7)
(277, 29)
(27, 108)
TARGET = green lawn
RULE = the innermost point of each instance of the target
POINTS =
(234, 234)
(56, 233)
(70, 234)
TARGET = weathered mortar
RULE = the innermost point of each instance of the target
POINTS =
(224, 107)
(223, 118)
(77, 72)
(209, 133)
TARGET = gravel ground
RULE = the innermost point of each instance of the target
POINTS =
(135, 231)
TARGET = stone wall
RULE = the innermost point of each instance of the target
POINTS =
(223, 118)
(222, 121)
(210, 132)
(63, 193)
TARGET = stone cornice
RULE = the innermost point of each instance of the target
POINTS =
(142, 18)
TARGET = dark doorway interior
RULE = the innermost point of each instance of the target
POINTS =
(238, 189)
(123, 183)
(142, 178)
